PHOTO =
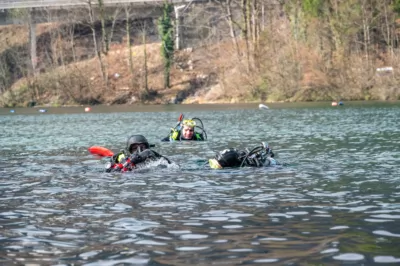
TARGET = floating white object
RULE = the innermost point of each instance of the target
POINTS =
(262, 106)
(334, 103)
(384, 69)
(87, 109)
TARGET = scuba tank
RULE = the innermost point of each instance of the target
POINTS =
(257, 157)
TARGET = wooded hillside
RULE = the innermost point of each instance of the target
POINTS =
(231, 51)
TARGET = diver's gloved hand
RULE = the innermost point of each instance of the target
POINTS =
(270, 152)
(143, 156)
(148, 154)
(136, 158)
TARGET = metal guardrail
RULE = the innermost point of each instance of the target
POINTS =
(10, 4)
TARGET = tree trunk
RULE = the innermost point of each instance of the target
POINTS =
(129, 45)
(231, 29)
(366, 31)
(72, 40)
(104, 33)
(115, 16)
(32, 41)
(146, 87)
(103, 65)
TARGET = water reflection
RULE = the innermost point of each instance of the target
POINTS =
(335, 200)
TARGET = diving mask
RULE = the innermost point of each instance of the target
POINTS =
(189, 122)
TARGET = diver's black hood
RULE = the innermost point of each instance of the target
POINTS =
(136, 139)
(228, 158)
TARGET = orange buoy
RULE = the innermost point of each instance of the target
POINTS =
(101, 151)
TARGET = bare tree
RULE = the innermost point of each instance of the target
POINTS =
(71, 36)
(114, 21)
(104, 32)
(231, 22)
(145, 70)
(128, 42)
(102, 62)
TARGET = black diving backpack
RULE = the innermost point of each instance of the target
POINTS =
(229, 158)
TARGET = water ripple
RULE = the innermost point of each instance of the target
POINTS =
(334, 200)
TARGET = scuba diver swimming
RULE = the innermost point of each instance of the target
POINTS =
(187, 130)
(137, 153)
(259, 156)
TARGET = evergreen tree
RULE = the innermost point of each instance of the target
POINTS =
(396, 7)
(165, 30)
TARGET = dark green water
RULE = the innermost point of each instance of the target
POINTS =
(336, 200)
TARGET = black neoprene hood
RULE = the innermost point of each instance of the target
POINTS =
(228, 158)
(137, 139)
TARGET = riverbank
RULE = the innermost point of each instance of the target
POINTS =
(190, 108)
(217, 73)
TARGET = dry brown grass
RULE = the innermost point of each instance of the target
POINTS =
(281, 70)
(85, 76)
(12, 35)
(16, 35)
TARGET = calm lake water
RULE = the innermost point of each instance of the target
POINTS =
(334, 201)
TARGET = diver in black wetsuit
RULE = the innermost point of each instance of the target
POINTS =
(258, 157)
(137, 152)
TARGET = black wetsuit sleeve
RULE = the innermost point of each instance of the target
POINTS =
(150, 154)
(166, 139)
(137, 158)
(161, 156)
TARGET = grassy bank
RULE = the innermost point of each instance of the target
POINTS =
(278, 69)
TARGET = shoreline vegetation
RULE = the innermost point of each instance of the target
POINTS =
(305, 51)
